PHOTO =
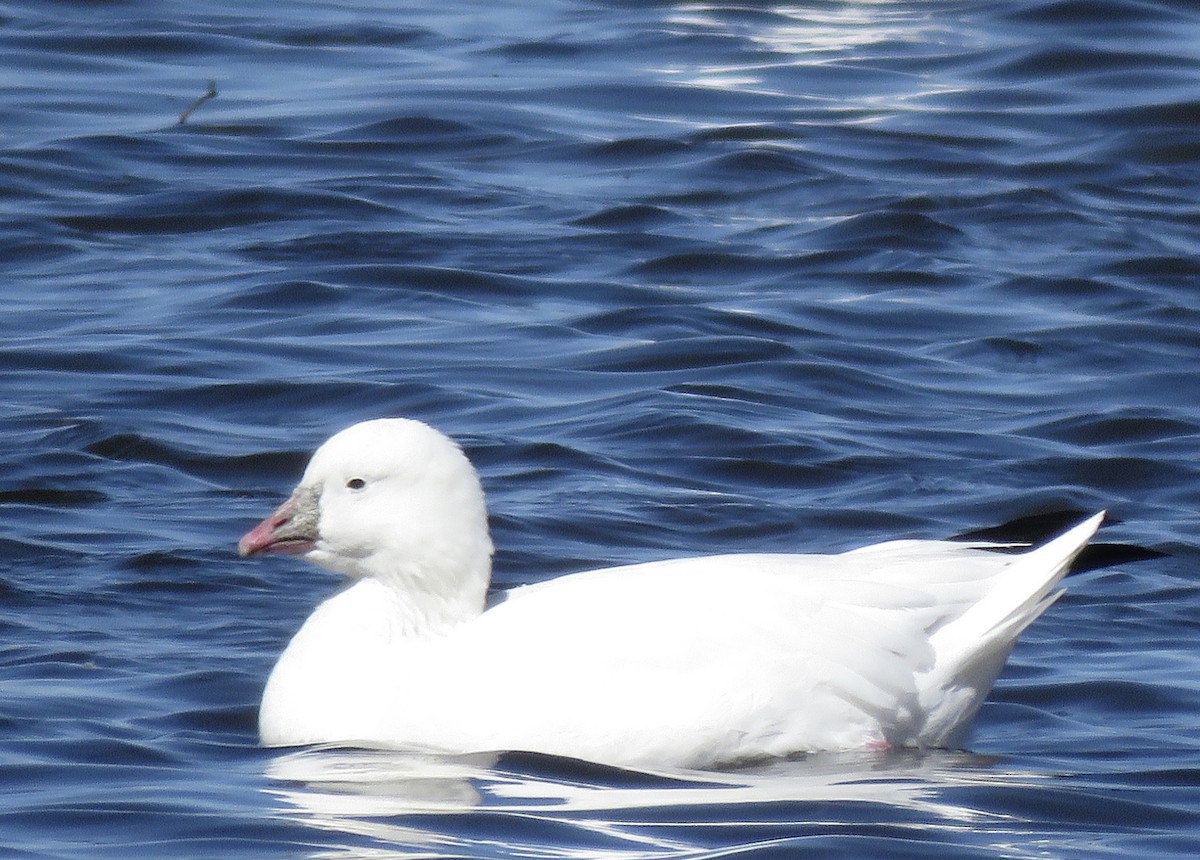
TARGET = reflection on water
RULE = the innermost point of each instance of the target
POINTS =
(814, 52)
(816, 29)
(416, 804)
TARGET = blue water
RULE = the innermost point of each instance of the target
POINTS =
(683, 278)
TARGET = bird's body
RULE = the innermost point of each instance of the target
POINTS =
(690, 662)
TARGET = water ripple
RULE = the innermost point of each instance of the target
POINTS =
(683, 277)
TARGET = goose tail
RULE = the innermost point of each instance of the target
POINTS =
(971, 650)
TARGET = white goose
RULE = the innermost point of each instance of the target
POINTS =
(694, 662)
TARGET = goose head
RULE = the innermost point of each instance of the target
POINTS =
(391, 499)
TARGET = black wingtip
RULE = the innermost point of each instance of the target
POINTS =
(1098, 555)
(1036, 528)
(1032, 528)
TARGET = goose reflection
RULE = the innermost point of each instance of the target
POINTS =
(388, 803)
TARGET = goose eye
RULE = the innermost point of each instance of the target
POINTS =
(356, 483)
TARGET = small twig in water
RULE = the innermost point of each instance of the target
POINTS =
(211, 94)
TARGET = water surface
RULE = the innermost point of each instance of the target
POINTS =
(683, 278)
